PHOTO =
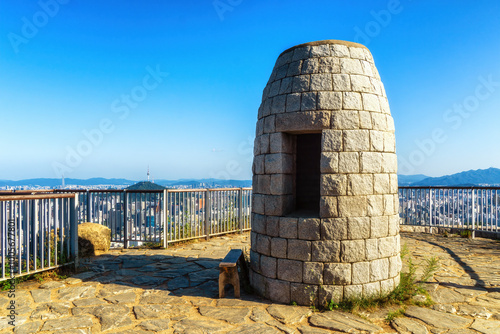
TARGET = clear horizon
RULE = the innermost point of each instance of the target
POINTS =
(104, 89)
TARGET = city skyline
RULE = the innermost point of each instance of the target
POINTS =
(94, 89)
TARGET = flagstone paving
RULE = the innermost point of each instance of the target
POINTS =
(175, 291)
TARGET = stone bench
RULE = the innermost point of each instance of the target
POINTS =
(229, 272)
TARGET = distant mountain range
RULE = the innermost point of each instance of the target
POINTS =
(479, 177)
(53, 183)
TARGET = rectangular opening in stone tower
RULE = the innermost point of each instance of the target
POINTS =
(307, 173)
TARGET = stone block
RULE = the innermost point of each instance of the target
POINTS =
(293, 102)
(266, 108)
(333, 184)
(312, 273)
(310, 66)
(350, 66)
(353, 251)
(371, 289)
(353, 291)
(394, 222)
(377, 140)
(281, 184)
(360, 184)
(394, 183)
(279, 247)
(348, 162)
(387, 247)
(365, 120)
(301, 83)
(357, 53)
(329, 65)
(390, 123)
(379, 121)
(274, 205)
(278, 104)
(268, 266)
(389, 142)
(258, 164)
(384, 105)
(321, 82)
(280, 143)
(352, 206)
(295, 68)
(379, 227)
(264, 143)
(339, 50)
(345, 120)
(258, 204)
(370, 102)
(290, 270)
(320, 50)
(303, 121)
(352, 100)
(270, 124)
(358, 228)
(279, 163)
(258, 282)
(258, 223)
(328, 207)
(394, 266)
(263, 244)
(389, 163)
(325, 251)
(334, 229)
(386, 286)
(253, 240)
(278, 291)
(375, 205)
(309, 229)
(255, 261)
(274, 89)
(261, 184)
(389, 208)
(272, 226)
(331, 140)
(286, 86)
(329, 162)
(341, 82)
(396, 280)
(379, 269)
(381, 183)
(360, 272)
(304, 294)
(329, 100)
(288, 227)
(372, 252)
(308, 101)
(371, 162)
(285, 58)
(299, 250)
(337, 273)
(356, 140)
(329, 293)
(301, 53)
(362, 83)
(281, 72)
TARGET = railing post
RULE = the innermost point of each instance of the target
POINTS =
(73, 209)
(473, 213)
(165, 218)
(207, 214)
(125, 219)
(240, 210)
(430, 210)
(89, 210)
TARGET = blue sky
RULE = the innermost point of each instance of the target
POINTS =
(194, 72)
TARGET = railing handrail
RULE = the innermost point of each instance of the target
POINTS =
(34, 196)
(450, 187)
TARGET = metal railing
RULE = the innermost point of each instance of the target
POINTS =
(37, 233)
(137, 217)
(475, 208)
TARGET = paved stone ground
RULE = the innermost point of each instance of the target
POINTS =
(175, 291)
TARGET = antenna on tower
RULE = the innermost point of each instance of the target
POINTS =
(148, 173)
(63, 181)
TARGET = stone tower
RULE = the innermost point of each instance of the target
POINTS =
(325, 222)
